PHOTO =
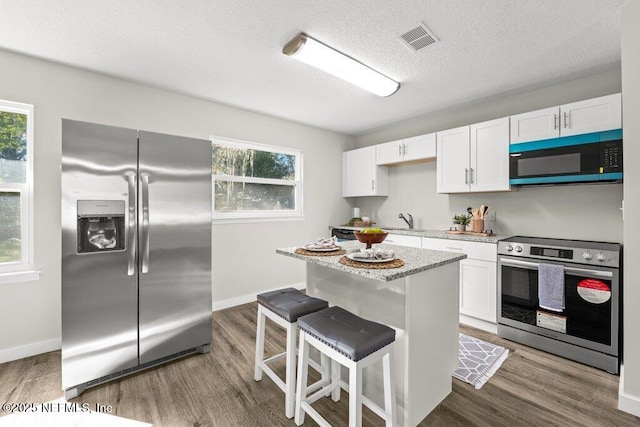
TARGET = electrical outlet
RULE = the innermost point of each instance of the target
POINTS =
(491, 216)
(374, 215)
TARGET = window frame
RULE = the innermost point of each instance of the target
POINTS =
(22, 270)
(259, 215)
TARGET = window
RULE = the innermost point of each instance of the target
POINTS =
(16, 146)
(255, 181)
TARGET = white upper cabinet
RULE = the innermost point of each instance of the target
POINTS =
(592, 115)
(474, 158)
(452, 163)
(389, 153)
(361, 176)
(419, 147)
(535, 125)
(489, 166)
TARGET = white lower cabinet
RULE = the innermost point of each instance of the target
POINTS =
(478, 289)
(404, 240)
(478, 279)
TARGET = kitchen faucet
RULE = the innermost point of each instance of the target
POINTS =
(408, 221)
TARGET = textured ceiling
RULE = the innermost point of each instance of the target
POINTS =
(230, 51)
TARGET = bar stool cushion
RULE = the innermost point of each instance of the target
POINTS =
(348, 334)
(290, 303)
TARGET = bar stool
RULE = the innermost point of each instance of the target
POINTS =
(355, 343)
(284, 307)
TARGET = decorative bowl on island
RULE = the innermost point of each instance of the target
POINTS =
(369, 237)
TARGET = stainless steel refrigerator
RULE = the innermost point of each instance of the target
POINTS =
(136, 251)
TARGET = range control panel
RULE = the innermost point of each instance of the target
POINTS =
(581, 252)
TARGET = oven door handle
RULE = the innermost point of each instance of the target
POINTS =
(574, 270)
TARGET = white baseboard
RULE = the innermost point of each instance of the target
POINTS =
(232, 302)
(28, 350)
(627, 402)
(480, 324)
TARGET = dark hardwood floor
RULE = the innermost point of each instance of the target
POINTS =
(531, 388)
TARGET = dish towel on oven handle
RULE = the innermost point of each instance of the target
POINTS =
(551, 286)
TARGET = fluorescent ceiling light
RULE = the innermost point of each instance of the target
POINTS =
(308, 50)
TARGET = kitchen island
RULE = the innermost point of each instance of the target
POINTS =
(419, 300)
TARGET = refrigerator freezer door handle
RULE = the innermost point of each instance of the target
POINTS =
(145, 224)
(131, 225)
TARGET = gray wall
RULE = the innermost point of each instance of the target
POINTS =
(579, 212)
(244, 259)
(630, 379)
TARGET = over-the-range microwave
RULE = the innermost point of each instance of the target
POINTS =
(592, 157)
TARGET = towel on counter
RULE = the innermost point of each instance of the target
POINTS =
(551, 286)
(324, 243)
(374, 253)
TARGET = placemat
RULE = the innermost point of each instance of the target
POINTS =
(302, 251)
(396, 263)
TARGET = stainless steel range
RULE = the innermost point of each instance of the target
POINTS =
(563, 297)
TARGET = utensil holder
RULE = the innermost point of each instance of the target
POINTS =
(477, 225)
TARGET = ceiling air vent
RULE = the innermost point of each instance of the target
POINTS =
(417, 37)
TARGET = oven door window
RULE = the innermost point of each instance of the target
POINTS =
(584, 319)
(519, 294)
(591, 321)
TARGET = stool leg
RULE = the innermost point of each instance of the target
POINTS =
(303, 370)
(355, 396)
(325, 371)
(290, 379)
(389, 390)
(260, 322)
(335, 380)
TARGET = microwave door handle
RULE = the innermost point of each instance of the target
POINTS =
(131, 224)
(570, 270)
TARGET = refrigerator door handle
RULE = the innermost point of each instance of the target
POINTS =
(145, 224)
(131, 269)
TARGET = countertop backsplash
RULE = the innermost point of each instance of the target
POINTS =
(584, 212)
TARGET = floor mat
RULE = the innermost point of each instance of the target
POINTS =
(478, 360)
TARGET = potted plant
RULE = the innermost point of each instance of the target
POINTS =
(461, 221)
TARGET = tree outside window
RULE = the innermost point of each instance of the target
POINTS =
(252, 180)
(14, 184)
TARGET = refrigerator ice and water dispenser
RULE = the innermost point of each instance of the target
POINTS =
(101, 225)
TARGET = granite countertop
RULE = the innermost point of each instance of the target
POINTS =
(415, 260)
(436, 234)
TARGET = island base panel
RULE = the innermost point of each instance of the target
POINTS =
(423, 309)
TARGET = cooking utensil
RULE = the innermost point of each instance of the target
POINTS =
(486, 209)
(481, 212)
